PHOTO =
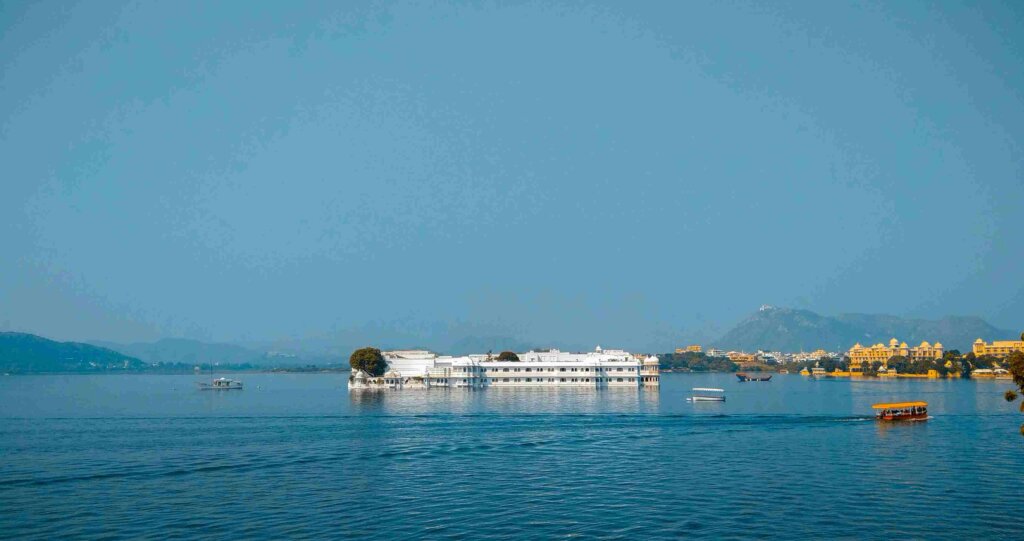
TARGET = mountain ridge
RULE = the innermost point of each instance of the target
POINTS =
(30, 353)
(189, 351)
(183, 350)
(792, 329)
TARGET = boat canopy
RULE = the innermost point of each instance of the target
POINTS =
(898, 405)
(708, 389)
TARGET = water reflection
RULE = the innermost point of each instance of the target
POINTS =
(504, 400)
(884, 429)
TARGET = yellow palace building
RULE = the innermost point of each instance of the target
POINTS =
(998, 348)
(879, 352)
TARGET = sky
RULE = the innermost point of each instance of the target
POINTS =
(631, 174)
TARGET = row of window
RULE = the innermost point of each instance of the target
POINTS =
(552, 370)
(552, 380)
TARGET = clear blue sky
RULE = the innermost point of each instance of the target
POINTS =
(633, 174)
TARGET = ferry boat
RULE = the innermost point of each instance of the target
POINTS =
(709, 395)
(756, 377)
(220, 384)
(901, 411)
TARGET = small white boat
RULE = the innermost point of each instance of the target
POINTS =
(707, 394)
(220, 384)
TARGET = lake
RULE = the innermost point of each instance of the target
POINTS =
(297, 455)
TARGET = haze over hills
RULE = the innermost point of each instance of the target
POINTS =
(788, 329)
(183, 350)
(774, 329)
(25, 353)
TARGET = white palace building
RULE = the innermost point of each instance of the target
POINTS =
(599, 369)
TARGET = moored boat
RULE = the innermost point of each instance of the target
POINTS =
(707, 394)
(756, 377)
(220, 384)
(901, 411)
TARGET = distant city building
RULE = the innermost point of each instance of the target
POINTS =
(998, 348)
(881, 353)
(740, 357)
(715, 353)
(692, 348)
(812, 356)
(770, 357)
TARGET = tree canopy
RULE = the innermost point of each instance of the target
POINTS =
(369, 360)
(508, 356)
(1015, 364)
(696, 362)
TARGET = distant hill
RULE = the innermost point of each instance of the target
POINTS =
(181, 350)
(787, 329)
(28, 353)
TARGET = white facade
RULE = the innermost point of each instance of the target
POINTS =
(410, 362)
(552, 368)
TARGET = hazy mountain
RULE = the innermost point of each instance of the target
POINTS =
(23, 353)
(787, 329)
(181, 350)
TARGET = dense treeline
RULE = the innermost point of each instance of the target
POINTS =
(1015, 364)
(952, 363)
(695, 362)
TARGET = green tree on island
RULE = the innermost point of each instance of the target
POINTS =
(368, 360)
(1015, 363)
(967, 365)
(900, 364)
(950, 362)
(508, 356)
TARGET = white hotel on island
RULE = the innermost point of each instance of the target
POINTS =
(599, 369)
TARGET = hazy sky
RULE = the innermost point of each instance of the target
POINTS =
(633, 174)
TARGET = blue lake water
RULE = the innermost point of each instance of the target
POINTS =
(292, 456)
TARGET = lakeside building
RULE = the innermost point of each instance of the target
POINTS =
(692, 348)
(712, 352)
(881, 353)
(409, 361)
(600, 369)
(741, 358)
(998, 348)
